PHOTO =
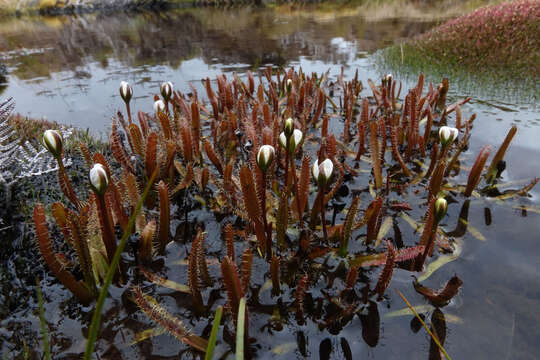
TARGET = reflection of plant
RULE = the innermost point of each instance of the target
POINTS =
(274, 217)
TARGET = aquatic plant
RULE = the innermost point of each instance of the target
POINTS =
(244, 155)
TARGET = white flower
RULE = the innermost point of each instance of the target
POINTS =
(166, 89)
(159, 106)
(447, 135)
(323, 172)
(98, 179)
(126, 92)
(52, 140)
(296, 138)
(265, 156)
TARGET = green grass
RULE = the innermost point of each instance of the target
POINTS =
(214, 334)
(44, 332)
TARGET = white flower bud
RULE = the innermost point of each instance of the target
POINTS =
(52, 140)
(159, 106)
(126, 92)
(98, 179)
(440, 208)
(288, 127)
(265, 156)
(323, 172)
(166, 90)
(289, 86)
(447, 135)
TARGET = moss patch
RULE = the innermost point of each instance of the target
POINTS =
(499, 38)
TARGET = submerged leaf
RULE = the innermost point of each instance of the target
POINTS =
(147, 334)
(285, 348)
(158, 280)
(442, 260)
(173, 325)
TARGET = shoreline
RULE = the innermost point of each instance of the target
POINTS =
(368, 9)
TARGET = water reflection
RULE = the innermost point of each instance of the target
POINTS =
(68, 68)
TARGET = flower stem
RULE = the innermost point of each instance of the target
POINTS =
(295, 190)
(128, 112)
(265, 221)
(323, 216)
(287, 163)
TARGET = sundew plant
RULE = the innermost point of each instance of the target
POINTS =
(301, 188)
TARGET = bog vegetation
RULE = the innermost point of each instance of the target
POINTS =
(305, 177)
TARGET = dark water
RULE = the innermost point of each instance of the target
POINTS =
(68, 69)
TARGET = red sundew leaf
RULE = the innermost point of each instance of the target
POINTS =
(380, 259)
(401, 206)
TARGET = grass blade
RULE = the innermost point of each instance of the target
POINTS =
(425, 326)
(214, 334)
(44, 334)
(240, 326)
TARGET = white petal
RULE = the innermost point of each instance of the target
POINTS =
(297, 136)
(315, 170)
(51, 136)
(327, 167)
(283, 140)
(454, 133)
(97, 175)
(266, 152)
(159, 105)
(125, 89)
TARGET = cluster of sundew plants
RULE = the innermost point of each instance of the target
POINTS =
(307, 177)
(497, 36)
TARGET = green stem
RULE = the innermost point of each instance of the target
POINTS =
(44, 334)
(213, 334)
(240, 327)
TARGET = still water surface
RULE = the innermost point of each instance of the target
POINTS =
(68, 69)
